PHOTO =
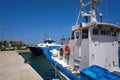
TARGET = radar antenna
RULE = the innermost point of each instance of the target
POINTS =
(92, 12)
(46, 37)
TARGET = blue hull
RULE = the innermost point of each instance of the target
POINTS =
(36, 50)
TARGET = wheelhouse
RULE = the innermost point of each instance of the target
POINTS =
(94, 43)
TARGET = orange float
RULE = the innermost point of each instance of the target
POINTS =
(67, 49)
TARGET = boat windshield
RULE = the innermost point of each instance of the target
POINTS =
(49, 41)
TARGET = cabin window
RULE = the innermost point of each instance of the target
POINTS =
(77, 35)
(72, 37)
(113, 33)
(102, 32)
(96, 31)
(108, 33)
(85, 33)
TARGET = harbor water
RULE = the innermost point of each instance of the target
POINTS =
(41, 65)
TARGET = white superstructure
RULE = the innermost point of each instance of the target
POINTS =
(94, 43)
(48, 42)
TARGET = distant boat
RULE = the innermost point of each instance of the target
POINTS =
(91, 43)
(35, 50)
(38, 49)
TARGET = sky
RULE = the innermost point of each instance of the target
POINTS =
(29, 20)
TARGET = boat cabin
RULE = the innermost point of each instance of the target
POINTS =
(49, 41)
(94, 43)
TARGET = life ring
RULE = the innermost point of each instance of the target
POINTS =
(67, 49)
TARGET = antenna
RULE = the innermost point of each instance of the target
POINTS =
(2, 34)
(92, 12)
(46, 36)
(2, 37)
(78, 17)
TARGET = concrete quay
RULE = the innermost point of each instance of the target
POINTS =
(12, 67)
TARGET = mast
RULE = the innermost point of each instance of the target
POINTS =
(91, 13)
(2, 34)
(46, 37)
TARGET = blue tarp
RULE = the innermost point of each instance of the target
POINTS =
(97, 73)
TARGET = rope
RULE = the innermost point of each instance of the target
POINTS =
(34, 59)
(78, 17)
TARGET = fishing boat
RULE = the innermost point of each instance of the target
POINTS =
(91, 43)
(38, 49)
(35, 50)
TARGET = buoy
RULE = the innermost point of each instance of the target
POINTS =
(55, 53)
(67, 49)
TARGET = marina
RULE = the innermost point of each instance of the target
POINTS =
(91, 52)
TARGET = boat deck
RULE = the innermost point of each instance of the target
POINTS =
(68, 67)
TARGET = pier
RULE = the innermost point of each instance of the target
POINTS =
(12, 67)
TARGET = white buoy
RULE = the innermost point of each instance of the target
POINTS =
(55, 53)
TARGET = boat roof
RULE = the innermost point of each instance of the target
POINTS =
(49, 41)
(94, 24)
(109, 24)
